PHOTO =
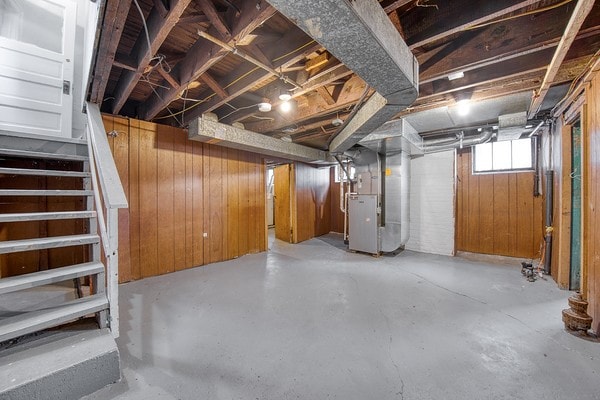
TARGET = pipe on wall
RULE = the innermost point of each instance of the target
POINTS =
(486, 136)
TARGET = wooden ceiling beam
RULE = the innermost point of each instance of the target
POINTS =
(161, 8)
(324, 93)
(581, 11)
(214, 85)
(495, 43)
(168, 77)
(203, 55)
(428, 24)
(515, 67)
(195, 18)
(215, 18)
(158, 30)
(392, 6)
(315, 107)
(115, 16)
(253, 76)
(122, 61)
(327, 77)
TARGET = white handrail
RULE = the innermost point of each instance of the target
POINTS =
(105, 177)
(112, 190)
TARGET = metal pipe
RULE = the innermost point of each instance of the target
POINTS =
(248, 58)
(485, 137)
(548, 222)
(537, 128)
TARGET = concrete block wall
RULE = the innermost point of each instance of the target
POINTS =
(432, 204)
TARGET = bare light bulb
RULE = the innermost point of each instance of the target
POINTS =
(285, 107)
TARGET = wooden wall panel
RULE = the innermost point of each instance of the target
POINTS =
(178, 190)
(120, 150)
(233, 196)
(311, 216)
(165, 211)
(198, 200)
(148, 190)
(179, 201)
(497, 213)
(591, 202)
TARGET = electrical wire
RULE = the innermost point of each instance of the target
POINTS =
(539, 10)
(237, 109)
(144, 24)
(160, 60)
(198, 102)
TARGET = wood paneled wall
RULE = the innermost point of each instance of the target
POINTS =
(337, 216)
(189, 203)
(591, 202)
(497, 213)
(311, 203)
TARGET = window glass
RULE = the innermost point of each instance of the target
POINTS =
(504, 156)
(501, 155)
(521, 153)
(36, 22)
(483, 157)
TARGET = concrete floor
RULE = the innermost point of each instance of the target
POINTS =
(311, 321)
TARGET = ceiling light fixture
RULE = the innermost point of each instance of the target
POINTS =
(264, 107)
(456, 75)
(285, 107)
(285, 96)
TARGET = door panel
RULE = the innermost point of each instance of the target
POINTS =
(283, 223)
(37, 42)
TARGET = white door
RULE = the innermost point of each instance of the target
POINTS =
(37, 42)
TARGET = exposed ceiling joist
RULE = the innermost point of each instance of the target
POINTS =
(158, 30)
(213, 15)
(252, 76)
(326, 77)
(537, 61)
(582, 9)
(314, 107)
(457, 18)
(203, 55)
(394, 5)
(115, 16)
(499, 42)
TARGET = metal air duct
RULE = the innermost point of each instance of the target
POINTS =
(360, 34)
(434, 146)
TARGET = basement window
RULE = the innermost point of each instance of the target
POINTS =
(505, 156)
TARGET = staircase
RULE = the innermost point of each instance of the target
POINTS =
(58, 264)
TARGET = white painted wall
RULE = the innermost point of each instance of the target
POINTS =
(432, 204)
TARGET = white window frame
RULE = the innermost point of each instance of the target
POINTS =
(508, 170)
